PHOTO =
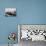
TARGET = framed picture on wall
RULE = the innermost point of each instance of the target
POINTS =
(32, 32)
(10, 11)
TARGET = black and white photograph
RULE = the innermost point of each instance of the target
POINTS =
(10, 11)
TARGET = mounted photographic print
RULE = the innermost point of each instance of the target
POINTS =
(10, 11)
(32, 32)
